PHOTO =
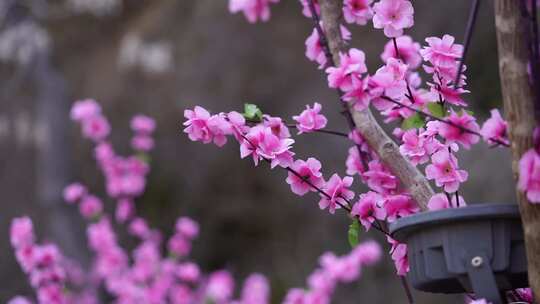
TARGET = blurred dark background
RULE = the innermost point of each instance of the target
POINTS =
(250, 220)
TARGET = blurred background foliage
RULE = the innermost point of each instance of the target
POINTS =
(250, 220)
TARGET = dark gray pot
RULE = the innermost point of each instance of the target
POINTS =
(478, 249)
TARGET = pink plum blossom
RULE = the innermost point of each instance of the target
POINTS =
(525, 294)
(444, 170)
(401, 261)
(200, 126)
(21, 232)
(96, 128)
(138, 227)
(314, 49)
(187, 227)
(310, 120)
(143, 124)
(495, 128)
(440, 201)
(238, 124)
(277, 126)
(529, 175)
(254, 10)
(90, 206)
(352, 64)
(19, 300)
(442, 53)
(354, 162)
(393, 16)
(125, 209)
(356, 137)
(295, 296)
(84, 109)
(179, 246)
(399, 205)
(418, 147)
(358, 95)
(260, 143)
(409, 51)
(368, 209)
(445, 90)
(307, 11)
(220, 287)
(357, 11)
(256, 290)
(188, 272)
(378, 178)
(454, 132)
(74, 192)
(142, 142)
(389, 80)
(309, 170)
(338, 192)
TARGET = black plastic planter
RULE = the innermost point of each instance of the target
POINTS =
(476, 249)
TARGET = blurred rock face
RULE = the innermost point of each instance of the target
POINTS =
(250, 220)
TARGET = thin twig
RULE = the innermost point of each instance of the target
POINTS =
(407, 289)
(467, 40)
(338, 133)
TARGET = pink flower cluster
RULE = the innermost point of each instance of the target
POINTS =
(443, 55)
(143, 126)
(144, 275)
(398, 251)
(125, 176)
(348, 77)
(42, 263)
(254, 10)
(333, 270)
(88, 113)
(90, 206)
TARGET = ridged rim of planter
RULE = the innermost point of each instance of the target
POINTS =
(471, 212)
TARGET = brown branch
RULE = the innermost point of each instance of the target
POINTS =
(411, 178)
(513, 36)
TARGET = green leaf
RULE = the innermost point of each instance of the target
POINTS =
(354, 229)
(252, 112)
(413, 122)
(436, 109)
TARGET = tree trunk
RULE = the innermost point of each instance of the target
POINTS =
(53, 168)
(513, 35)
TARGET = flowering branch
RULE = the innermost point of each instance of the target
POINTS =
(412, 179)
(458, 126)
(304, 179)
